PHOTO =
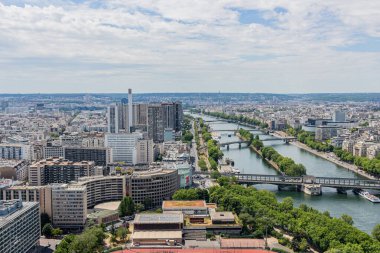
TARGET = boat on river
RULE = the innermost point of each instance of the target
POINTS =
(369, 196)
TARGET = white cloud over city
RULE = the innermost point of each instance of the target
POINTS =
(189, 46)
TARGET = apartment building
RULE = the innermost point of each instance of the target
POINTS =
(19, 226)
(69, 205)
(58, 170)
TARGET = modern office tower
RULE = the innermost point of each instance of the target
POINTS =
(130, 109)
(123, 147)
(77, 154)
(339, 116)
(140, 116)
(53, 151)
(145, 153)
(69, 205)
(19, 226)
(15, 151)
(113, 118)
(58, 170)
(168, 110)
(178, 111)
(156, 122)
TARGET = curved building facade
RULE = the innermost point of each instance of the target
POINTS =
(153, 186)
(149, 186)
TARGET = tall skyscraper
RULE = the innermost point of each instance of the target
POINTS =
(156, 122)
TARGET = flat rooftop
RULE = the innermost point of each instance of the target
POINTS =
(183, 204)
(158, 218)
(112, 206)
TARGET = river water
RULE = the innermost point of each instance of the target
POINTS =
(364, 213)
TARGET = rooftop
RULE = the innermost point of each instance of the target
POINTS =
(61, 162)
(183, 204)
(160, 218)
(111, 206)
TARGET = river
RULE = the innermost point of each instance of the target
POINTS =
(364, 213)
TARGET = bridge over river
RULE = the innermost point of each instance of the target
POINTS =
(332, 182)
(240, 142)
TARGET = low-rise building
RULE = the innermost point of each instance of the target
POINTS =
(187, 207)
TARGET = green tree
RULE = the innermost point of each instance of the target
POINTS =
(139, 207)
(348, 219)
(126, 207)
(47, 230)
(122, 233)
(376, 232)
(56, 232)
(45, 218)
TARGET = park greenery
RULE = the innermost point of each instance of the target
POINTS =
(259, 210)
(239, 118)
(90, 241)
(202, 164)
(285, 164)
(126, 207)
(371, 166)
(187, 136)
(191, 194)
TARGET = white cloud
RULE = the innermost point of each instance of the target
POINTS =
(187, 46)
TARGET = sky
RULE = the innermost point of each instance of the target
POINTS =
(293, 46)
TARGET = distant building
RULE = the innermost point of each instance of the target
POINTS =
(339, 116)
(19, 226)
(53, 151)
(373, 151)
(348, 145)
(360, 148)
(145, 153)
(123, 147)
(169, 135)
(15, 151)
(323, 133)
(14, 169)
(77, 154)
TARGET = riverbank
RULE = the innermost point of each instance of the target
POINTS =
(329, 157)
(332, 158)
(273, 164)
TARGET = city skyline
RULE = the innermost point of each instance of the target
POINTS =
(234, 46)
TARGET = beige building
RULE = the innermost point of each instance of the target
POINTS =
(40, 194)
(360, 149)
(373, 151)
(69, 204)
(145, 153)
(103, 189)
(348, 145)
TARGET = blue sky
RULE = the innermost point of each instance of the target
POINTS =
(189, 46)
